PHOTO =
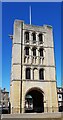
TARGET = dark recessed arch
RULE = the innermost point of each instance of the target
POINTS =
(27, 36)
(35, 103)
(34, 37)
(34, 51)
(35, 88)
(41, 73)
(28, 73)
(40, 37)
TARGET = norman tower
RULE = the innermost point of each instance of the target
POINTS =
(33, 74)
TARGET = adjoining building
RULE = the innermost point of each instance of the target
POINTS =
(33, 71)
(4, 101)
(60, 98)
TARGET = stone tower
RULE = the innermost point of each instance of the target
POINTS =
(33, 74)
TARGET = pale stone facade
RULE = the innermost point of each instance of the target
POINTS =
(20, 86)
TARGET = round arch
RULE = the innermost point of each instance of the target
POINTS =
(34, 100)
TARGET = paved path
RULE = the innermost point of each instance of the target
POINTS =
(33, 116)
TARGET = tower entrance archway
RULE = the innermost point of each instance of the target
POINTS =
(34, 101)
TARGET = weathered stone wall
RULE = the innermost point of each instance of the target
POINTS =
(48, 86)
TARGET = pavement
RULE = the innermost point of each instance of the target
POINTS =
(33, 116)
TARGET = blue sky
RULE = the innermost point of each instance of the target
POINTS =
(0, 44)
(62, 44)
(42, 13)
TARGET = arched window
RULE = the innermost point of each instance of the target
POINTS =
(41, 74)
(40, 38)
(34, 51)
(27, 73)
(34, 37)
(27, 36)
(41, 50)
(26, 50)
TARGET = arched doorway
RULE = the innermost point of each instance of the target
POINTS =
(34, 101)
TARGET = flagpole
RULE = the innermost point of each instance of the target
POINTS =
(30, 15)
